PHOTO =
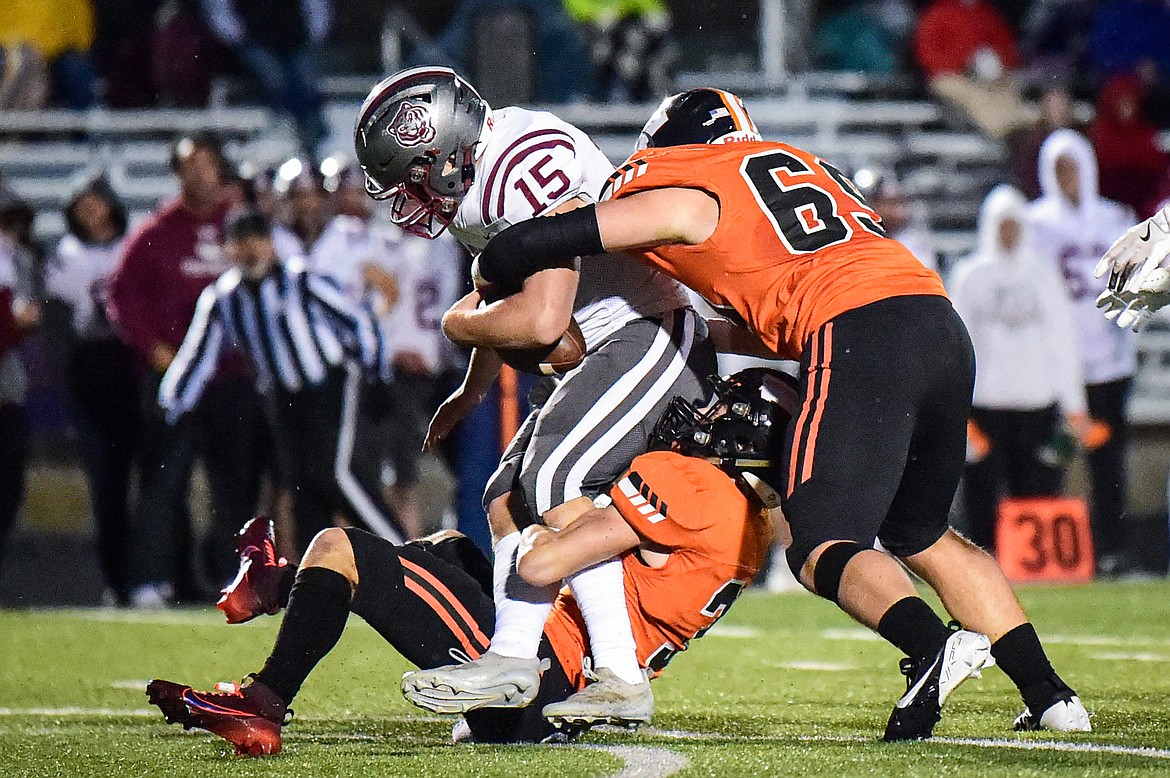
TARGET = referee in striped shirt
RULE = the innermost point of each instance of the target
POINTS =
(312, 349)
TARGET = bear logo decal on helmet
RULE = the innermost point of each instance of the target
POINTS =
(412, 126)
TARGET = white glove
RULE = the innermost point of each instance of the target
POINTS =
(1132, 309)
(1138, 285)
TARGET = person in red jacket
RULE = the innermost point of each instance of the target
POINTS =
(165, 266)
(967, 51)
(1132, 164)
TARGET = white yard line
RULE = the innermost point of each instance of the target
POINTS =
(1051, 745)
(644, 761)
(1122, 656)
(733, 631)
(78, 712)
(1022, 745)
(190, 617)
(864, 635)
(829, 667)
(74, 711)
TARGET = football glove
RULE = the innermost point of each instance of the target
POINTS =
(1131, 309)
(1138, 285)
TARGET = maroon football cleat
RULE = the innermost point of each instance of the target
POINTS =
(249, 717)
(256, 589)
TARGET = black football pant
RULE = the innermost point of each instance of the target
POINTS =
(1021, 463)
(226, 430)
(879, 444)
(1107, 467)
(102, 379)
(317, 431)
(13, 458)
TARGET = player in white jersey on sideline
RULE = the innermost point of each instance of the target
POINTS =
(1073, 225)
(443, 159)
(408, 282)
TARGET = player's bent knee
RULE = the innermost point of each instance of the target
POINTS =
(331, 549)
(830, 568)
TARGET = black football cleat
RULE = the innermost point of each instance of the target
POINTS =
(249, 717)
(929, 682)
(256, 589)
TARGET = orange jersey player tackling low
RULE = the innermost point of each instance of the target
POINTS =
(780, 241)
(716, 538)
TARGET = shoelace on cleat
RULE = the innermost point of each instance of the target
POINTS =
(909, 668)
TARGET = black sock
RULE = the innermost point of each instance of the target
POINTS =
(1020, 655)
(318, 607)
(911, 625)
(287, 578)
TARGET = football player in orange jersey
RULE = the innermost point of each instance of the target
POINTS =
(783, 243)
(691, 502)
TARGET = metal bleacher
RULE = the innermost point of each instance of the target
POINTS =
(45, 154)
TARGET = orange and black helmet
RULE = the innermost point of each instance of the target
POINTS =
(698, 116)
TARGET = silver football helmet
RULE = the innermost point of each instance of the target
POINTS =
(415, 138)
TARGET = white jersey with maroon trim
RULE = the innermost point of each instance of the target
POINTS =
(344, 248)
(427, 274)
(532, 163)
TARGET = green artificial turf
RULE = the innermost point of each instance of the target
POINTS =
(785, 685)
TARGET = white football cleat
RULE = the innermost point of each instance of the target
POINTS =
(930, 681)
(606, 700)
(492, 681)
(1067, 714)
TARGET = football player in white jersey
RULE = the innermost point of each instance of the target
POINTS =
(408, 282)
(1074, 226)
(443, 159)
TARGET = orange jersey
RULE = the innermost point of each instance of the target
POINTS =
(796, 243)
(717, 540)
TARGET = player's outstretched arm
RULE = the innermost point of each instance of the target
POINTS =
(546, 556)
(482, 371)
(653, 218)
(1139, 281)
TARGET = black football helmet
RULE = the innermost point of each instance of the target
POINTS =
(698, 116)
(733, 431)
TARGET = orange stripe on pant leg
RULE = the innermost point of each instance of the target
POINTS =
(826, 373)
(426, 597)
(456, 605)
(803, 418)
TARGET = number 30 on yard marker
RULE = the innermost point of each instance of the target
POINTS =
(1045, 539)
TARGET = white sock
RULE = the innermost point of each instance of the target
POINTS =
(521, 608)
(600, 593)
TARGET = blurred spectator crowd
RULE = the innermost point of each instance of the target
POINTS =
(95, 313)
(108, 308)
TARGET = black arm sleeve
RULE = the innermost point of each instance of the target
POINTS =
(537, 244)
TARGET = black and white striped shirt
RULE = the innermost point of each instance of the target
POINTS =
(295, 325)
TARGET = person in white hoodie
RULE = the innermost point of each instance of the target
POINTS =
(1029, 379)
(1073, 226)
